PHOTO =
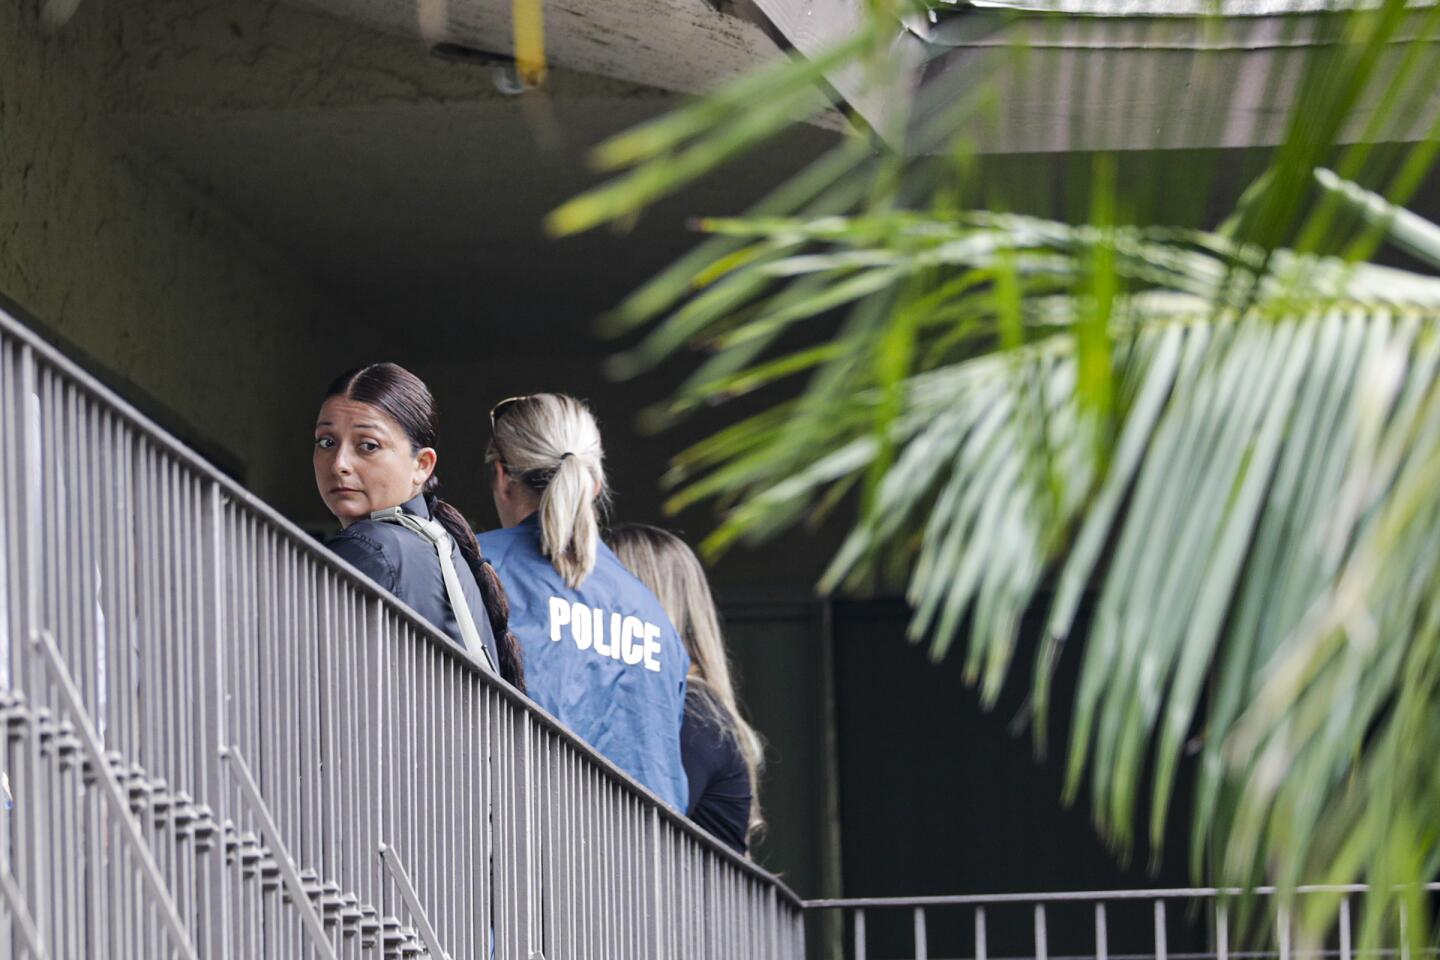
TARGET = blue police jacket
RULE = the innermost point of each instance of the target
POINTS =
(603, 658)
(405, 563)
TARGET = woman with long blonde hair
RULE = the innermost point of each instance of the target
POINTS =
(721, 752)
(600, 654)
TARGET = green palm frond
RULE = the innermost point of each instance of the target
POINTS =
(1223, 445)
(1264, 463)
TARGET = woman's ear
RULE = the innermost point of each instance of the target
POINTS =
(424, 465)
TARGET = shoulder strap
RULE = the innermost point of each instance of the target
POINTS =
(440, 539)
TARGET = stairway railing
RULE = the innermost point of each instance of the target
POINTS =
(1190, 923)
(221, 741)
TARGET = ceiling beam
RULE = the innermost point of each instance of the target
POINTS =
(178, 58)
(1121, 77)
(689, 46)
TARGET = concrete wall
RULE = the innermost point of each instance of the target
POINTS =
(161, 218)
(132, 268)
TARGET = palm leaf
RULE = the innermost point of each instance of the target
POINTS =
(1229, 439)
(1237, 437)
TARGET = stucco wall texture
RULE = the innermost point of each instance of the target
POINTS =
(141, 273)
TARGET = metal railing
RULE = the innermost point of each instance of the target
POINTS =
(223, 742)
(1157, 924)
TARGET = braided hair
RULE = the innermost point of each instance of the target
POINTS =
(405, 399)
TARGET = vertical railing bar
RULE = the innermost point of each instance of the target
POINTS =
(981, 951)
(184, 553)
(657, 903)
(79, 570)
(247, 668)
(353, 859)
(566, 892)
(1222, 932)
(1345, 929)
(453, 679)
(151, 702)
(1404, 931)
(1282, 923)
(310, 731)
(1042, 940)
(476, 926)
(126, 674)
(265, 750)
(412, 902)
(185, 788)
(1161, 946)
(181, 778)
(450, 874)
(425, 786)
(98, 592)
(267, 826)
(299, 675)
(172, 741)
(922, 945)
(30, 861)
(1102, 933)
(60, 676)
(327, 869)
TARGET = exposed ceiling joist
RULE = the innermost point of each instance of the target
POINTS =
(683, 45)
(1109, 75)
(1179, 8)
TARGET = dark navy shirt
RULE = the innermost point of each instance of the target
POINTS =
(602, 658)
(720, 792)
(404, 562)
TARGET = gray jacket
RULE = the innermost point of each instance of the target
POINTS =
(404, 563)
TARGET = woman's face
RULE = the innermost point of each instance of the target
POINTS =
(363, 460)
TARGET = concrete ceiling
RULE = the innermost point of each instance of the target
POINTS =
(440, 204)
(1023, 76)
(404, 182)
(411, 190)
(687, 45)
(400, 181)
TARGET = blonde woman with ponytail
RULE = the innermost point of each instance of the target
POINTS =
(600, 653)
(721, 751)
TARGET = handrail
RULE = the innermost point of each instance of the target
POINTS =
(130, 828)
(293, 884)
(198, 622)
(52, 355)
(412, 903)
(1215, 917)
(1080, 896)
(656, 870)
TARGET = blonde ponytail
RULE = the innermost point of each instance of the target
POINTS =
(568, 526)
(551, 443)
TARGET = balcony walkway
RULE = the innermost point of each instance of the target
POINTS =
(221, 741)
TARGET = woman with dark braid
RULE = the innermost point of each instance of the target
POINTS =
(375, 468)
